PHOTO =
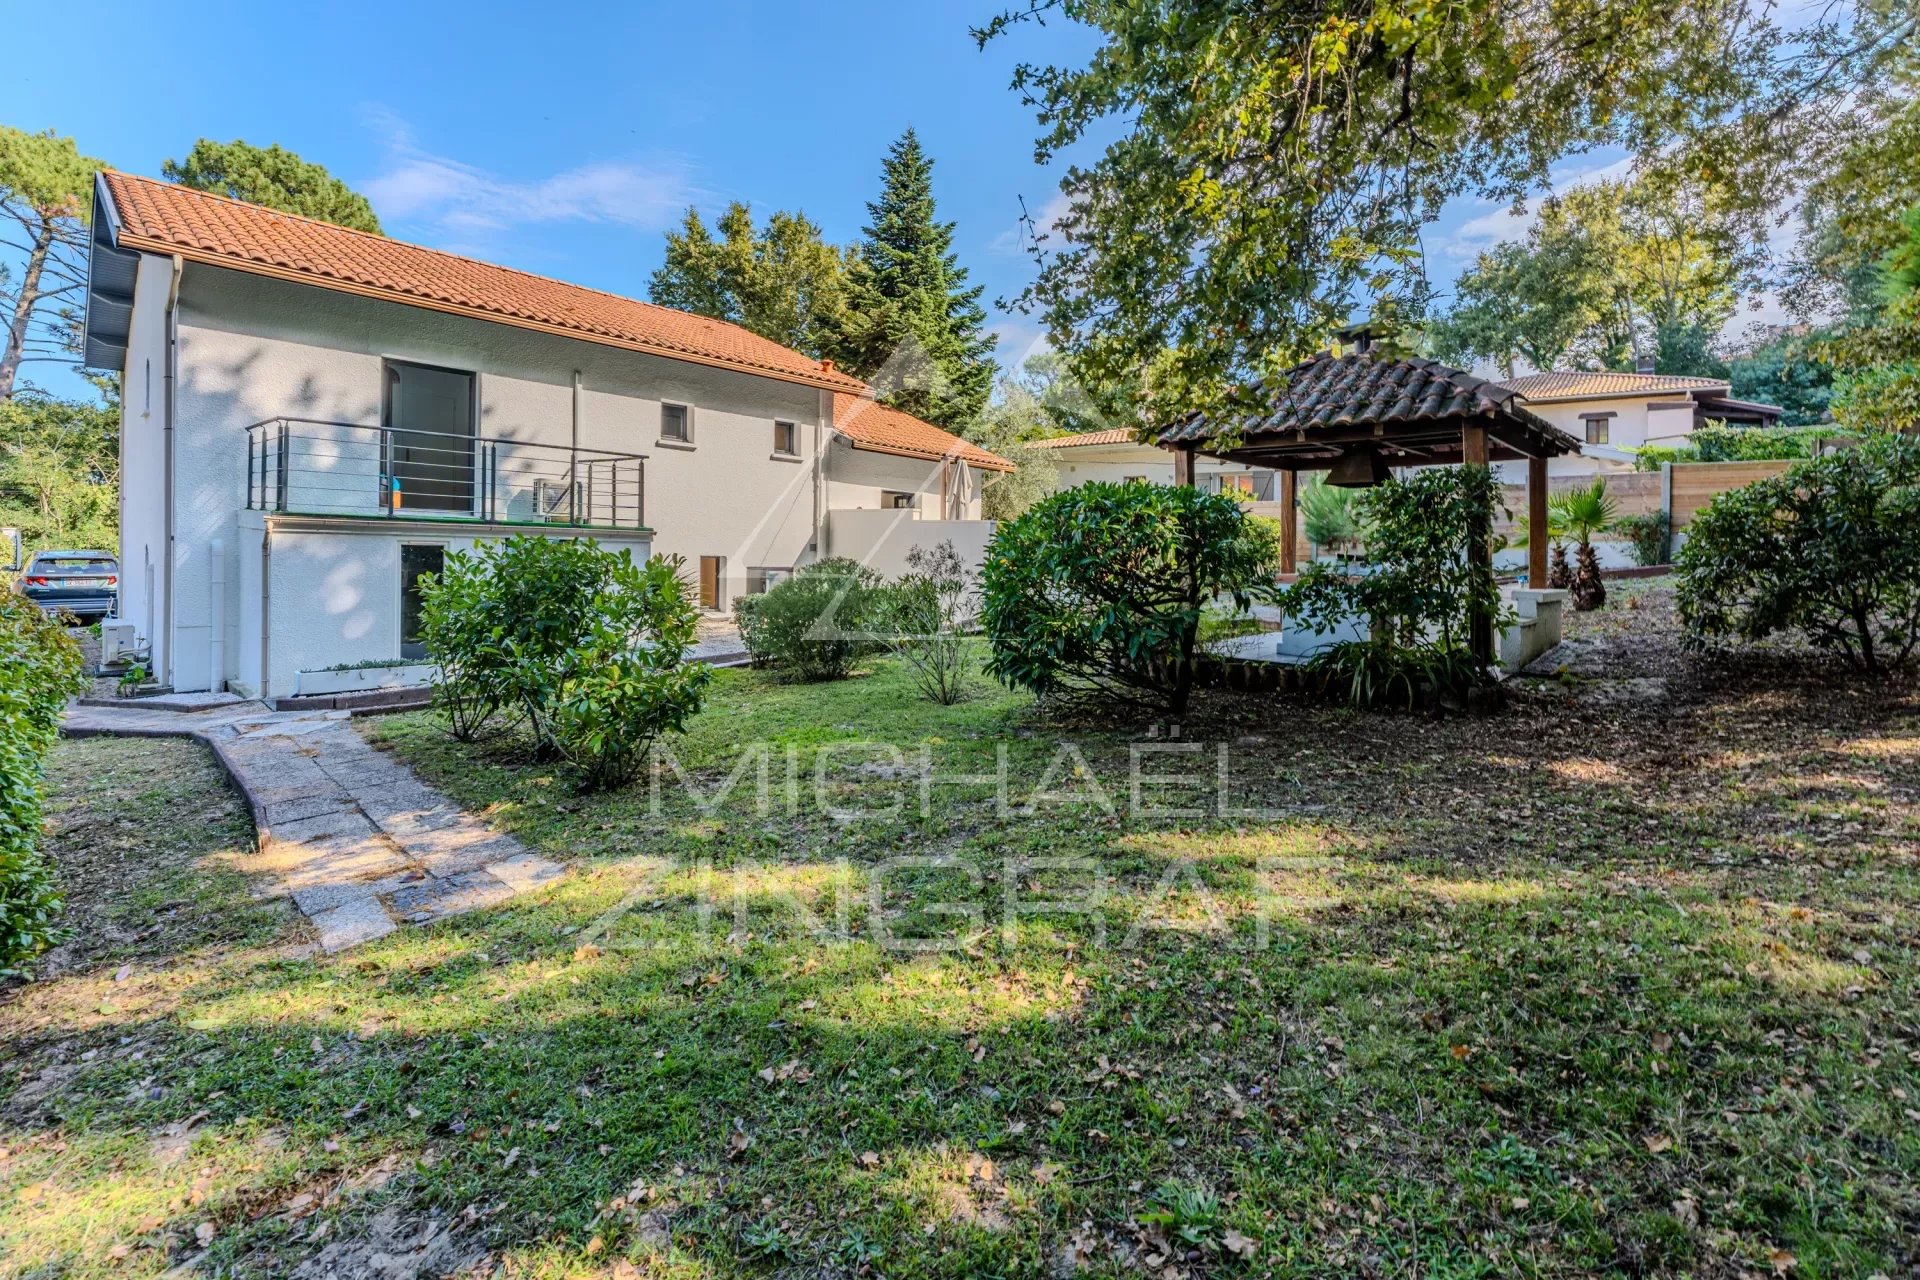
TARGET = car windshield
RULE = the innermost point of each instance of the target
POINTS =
(72, 564)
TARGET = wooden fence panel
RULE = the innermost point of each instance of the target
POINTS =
(1694, 484)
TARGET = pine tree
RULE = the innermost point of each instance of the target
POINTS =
(914, 329)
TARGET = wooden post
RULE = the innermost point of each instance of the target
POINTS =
(1289, 521)
(1536, 523)
(1473, 452)
(1183, 465)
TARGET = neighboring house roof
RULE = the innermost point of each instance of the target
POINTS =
(870, 425)
(1574, 385)
(1334, 404)
(162, 217)
(1113, 435)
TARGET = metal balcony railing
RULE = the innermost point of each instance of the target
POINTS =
(307, 466)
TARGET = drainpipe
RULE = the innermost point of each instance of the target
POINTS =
(217, 595)
(166, 544)
(266, 608)
(822, 435)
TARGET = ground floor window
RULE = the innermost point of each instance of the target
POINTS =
(417, 559)
(893, 501)
(765, 579)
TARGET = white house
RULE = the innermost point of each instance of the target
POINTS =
(313, 416)
(1614, 414)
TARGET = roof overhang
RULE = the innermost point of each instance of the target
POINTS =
(111, 273)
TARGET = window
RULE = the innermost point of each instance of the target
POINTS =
(417, 560)
(785, 438)
(896, 501)
(713, 574)
(762, 580)
(676, 423)
(1597, 425)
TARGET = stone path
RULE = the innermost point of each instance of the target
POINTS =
(358, 842)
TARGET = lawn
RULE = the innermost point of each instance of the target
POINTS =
(1619, 980)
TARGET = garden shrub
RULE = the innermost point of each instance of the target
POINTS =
(543, 632)
(815, 624)
(1649, 537)
(1419, 589)
(40, 668)
(1830, 548)
(1737, 444)
(1099, 591)
(626, 680)
(923, 618)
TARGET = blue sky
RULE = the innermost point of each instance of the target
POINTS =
(564, 139)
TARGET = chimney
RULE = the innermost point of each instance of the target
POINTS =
(826, 366)
(1643, 364)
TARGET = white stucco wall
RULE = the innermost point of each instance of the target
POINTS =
(882, 540)
(856, 479)
(1115, 464)
(143, 398)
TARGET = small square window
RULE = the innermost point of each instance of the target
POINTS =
(1597, 430)
(676, 423)
(785, 438)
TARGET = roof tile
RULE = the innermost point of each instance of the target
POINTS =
(166, 218)
(1574, 384)
(871, 425)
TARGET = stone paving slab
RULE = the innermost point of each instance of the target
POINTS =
(348, 832)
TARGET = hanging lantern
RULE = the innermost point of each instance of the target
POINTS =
(1358, 470)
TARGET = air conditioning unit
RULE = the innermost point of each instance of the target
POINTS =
(553, 499)
(119, 644)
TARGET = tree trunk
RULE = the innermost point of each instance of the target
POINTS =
(1559, 577)
(1589, 589)
(23, 308)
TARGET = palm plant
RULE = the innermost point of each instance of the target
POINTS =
(1328, 513)
(1559, 576)
(1583, 513)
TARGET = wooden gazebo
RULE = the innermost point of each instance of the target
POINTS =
(1358, 414)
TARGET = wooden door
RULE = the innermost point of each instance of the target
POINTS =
(709, 582)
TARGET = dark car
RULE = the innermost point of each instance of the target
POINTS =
(85, 584)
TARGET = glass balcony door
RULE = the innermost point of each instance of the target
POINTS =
(429, 443)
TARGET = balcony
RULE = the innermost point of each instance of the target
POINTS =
(304, 466)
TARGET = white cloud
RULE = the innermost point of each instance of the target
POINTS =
(460, 200)
(1019, 338)
(1494, 222)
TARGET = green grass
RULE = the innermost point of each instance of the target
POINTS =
(1563, 991)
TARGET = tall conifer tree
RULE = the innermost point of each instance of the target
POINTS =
(913, 328)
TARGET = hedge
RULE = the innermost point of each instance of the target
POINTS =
(40, 668)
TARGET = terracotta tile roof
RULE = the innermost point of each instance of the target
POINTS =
(1410, 398)
(1113, 435)
(1569, 385)
(161, 217)
(870, 425)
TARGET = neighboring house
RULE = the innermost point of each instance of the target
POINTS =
(313, 416)
(1116, 455)
(1614, 414)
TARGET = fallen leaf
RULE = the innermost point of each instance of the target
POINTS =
(1782, 1262)
(1240, 1246)
(867, 1159)
(1658, 1142)
(204, 1234)
(1044, 1173)
(737, 1144)
(1662, 1042)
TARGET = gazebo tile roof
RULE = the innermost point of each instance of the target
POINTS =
(1362, 389)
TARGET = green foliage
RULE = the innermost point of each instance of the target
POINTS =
(913, 328)
(274, 177)
(60, 472)
(1329, 514)
(626, 680)
(1607, 268)
(1850, 214)
(40, 668)
(1016, 420)
(580, 645)
(46, 199)
(923, 619)
(1830, 549)
(1649, 537)
(815, 624)
(783, 281)
(1265, 162)
(1421, 591)
(1099, 590)
(1737, 444)
(1784, 371)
